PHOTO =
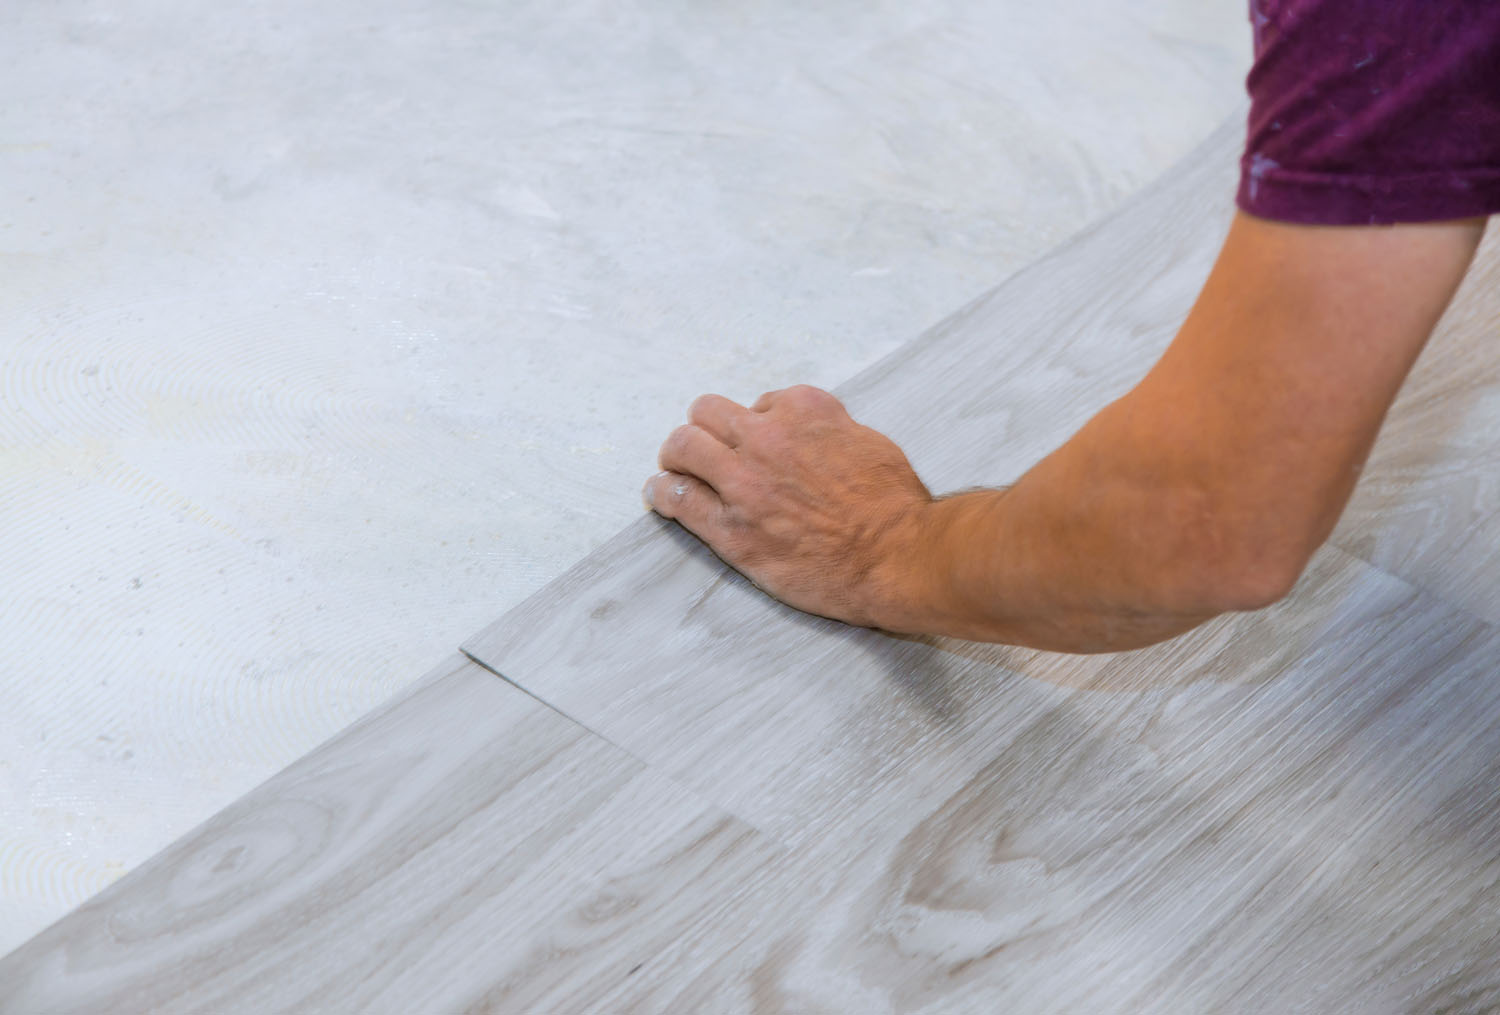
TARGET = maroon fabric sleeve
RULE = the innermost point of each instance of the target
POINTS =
(1373, 111)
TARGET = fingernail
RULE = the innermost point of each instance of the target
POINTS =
(646, 493)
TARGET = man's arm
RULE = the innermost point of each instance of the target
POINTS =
(1205, 489)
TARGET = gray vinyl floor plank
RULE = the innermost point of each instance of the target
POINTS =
(1323, 841)
(464, 848)
(1428, 505)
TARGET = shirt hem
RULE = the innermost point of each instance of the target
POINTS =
(1331, 199)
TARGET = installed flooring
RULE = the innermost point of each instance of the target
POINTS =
(732, 806)
(463, 847)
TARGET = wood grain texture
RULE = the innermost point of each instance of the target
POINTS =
(1324, 841)
(462, 848)
(1280, 826)
(1297, 810)
(1428, 505)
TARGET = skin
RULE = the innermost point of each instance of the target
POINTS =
(1206, 489)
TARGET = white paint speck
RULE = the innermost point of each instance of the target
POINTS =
(1258, 166)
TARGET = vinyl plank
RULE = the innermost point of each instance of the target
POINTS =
(462, 848)
(1319, 835)
(1296, 810)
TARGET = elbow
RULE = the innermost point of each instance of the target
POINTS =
(1256, 585)
(1238, 566)
(1258, 569)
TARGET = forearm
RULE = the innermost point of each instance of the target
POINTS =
(1104, 546)
(1210, 485)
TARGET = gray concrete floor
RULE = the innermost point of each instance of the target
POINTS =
(330, 331)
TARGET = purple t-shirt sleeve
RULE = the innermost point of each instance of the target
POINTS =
(1373, 111)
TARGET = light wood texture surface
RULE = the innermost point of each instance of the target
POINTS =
(462, 848)
(1291, 811)
(1323, 838)
(1242, 822)
(1428, 505)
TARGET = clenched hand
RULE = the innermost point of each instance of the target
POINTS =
(815, 509)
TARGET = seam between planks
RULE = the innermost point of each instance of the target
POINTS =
(658, 770)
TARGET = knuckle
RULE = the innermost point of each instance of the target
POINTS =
(697, 409)
(679, 439)
(809, 398)
(701, 405)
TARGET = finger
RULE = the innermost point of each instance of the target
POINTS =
(719, 416)
(690, 501)
(694, 451)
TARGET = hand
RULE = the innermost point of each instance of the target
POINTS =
(812, 507)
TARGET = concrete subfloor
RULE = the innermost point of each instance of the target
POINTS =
(329, 332)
